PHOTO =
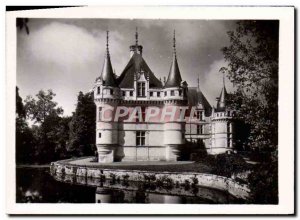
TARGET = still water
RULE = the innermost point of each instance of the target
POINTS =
(37, 185)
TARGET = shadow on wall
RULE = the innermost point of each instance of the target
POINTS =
(119, 150)
(192, 151)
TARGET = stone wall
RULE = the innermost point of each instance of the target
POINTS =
(201, 179)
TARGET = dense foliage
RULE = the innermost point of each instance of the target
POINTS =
(82, 134)
(264, 184)
(252, 58)
(52, 136)
(24, 136)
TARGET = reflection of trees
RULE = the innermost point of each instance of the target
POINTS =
(36, 185)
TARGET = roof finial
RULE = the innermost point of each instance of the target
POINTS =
(136, 36)
(174, 43)
(107, 38)
(223, 79)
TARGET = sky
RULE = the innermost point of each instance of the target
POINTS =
(66, 55)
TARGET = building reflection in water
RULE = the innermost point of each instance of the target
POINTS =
(106, 195)
(103, 195)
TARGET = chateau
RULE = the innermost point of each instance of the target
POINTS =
(141, 118)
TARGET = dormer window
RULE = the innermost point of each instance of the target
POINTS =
(124, 93)
(141, 89)
(98, 90)
(172, 93)
(180, 92)
(165, 93)
(158, 94)
(131, 93)
(111, 91)
(151, 93)
(199, 115)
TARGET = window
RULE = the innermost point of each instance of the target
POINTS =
(99, 113)
(172, 93)
(131, 93)
(98, 90)
(158, 94)
(151, 93)
(141, 89)
(140, 138)
(111, 91)
(99, 135)
(199, 115)
(124, 93)
(199, 129)
(165, 93)
(180, 92)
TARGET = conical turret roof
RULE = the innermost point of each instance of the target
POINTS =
(174, 77)
(223, 98)
(107, 74)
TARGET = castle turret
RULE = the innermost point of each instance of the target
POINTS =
(222, 124)
(174, 99)
(174, 77)
(106, 96)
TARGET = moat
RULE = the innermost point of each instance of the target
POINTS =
(36, 185)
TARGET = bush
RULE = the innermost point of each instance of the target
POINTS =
(227, 164)
(263, 183)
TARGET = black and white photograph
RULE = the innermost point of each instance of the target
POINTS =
(151, 110)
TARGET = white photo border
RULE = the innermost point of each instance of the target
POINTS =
(286, 104)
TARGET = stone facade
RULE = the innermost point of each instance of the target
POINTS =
(127, 128)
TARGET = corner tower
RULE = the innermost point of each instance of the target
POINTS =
(175, 99)
(106, 96)
(222, 124)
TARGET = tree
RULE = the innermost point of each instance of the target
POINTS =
(61, 136)
(24, 138)
(252, 58)
(264, 184)
(22, 23)
(83, 126)
(44, 112)
(38, 110)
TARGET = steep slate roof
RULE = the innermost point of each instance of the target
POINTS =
(174, 77)
(223, 98)
(195, 97)
(135, 64)
(107, 74)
